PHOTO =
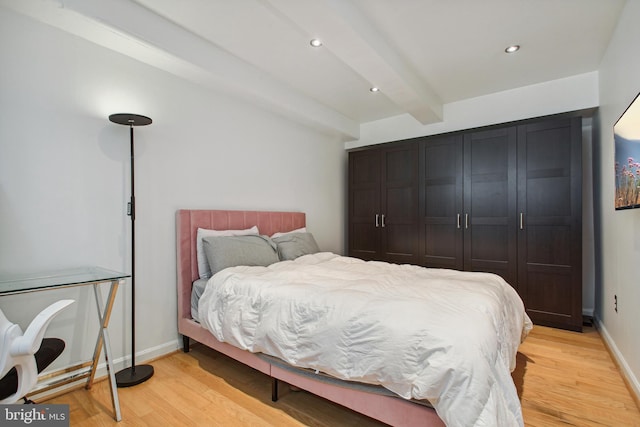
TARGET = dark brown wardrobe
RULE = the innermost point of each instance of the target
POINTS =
(504, 199)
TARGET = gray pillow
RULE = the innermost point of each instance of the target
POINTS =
(230, 251)
(293, 245)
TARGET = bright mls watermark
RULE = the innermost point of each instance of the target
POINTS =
(34, 415)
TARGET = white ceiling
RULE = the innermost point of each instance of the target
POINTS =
(420, 53)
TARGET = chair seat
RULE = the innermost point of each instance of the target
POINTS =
(49, 350)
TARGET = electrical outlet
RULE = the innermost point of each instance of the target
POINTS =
(615, 303)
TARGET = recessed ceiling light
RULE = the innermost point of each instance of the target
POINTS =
(512, 48)
(374, 89)
(315, 42)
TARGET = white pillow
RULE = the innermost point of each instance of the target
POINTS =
(204, 271)
(299, 230)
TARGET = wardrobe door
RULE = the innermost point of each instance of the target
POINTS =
(383, 203)
(490, 222)
(441, 213)
(550, 221)
(365, 178)
(399, 202)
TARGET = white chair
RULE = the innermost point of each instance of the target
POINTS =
(24, 356)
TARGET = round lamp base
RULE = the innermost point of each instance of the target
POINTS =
(128, 377)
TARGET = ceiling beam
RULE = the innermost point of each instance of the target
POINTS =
(130, 29)
(351, 37)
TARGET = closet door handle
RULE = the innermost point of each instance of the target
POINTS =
(466, 220)
(377, 221)
(383, 221)
(459, 224)
(521, 220)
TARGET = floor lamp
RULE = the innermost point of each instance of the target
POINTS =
(135, 374)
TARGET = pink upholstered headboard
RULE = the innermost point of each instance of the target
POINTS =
(188, 222)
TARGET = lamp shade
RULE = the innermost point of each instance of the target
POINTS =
(130, 119)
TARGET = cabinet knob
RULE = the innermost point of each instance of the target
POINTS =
(377, 222)
(521, 220)
(466, 220)
(383, 220)
(458, 222)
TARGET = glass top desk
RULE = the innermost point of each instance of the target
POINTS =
(20, 283)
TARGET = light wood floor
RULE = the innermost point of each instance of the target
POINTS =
(563, 378)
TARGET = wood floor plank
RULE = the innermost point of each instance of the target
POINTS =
(563, 379)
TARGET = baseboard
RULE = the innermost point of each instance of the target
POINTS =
(142, 357)
(627, 374)
(588, 312)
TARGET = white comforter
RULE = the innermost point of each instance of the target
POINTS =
(447, 336)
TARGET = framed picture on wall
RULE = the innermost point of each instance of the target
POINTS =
(626, 136)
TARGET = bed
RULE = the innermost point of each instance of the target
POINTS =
(365, 396)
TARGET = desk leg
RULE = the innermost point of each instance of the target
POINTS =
(103, 338)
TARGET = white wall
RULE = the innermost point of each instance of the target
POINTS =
(618, 232)
(64, 176)
(556, 96)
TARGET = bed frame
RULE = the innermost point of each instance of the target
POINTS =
(388, 409)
